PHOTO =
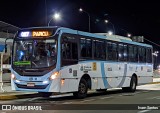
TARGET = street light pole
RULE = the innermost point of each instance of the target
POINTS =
(50, 21)
(46, 11)
(89, 25)
(56, 16)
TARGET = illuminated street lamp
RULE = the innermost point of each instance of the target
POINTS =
(81, 10)
(106, 21)
(129, 35)
(56, 16)
(110, 32)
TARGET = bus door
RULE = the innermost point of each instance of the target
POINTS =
(69, 59)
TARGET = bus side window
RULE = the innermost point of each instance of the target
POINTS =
(130, 53)
(85, 48)
(142, 54)
(135, 52)
(69, 52)
(148, 55)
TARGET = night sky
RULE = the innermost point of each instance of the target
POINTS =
(139, 17)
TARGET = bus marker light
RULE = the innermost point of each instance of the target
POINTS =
(13, 76)
(54, 75)
(62, 81)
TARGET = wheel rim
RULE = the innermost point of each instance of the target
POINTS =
(82, 88)
(133, 85)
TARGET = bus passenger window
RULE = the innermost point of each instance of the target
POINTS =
(69, 51)
(86, 48)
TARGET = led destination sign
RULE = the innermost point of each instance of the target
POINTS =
(35, 34)
(40, 33)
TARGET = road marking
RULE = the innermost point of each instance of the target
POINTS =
(127, 94)
(67, 103)
(146, 91)
(154, 97)
(106, 97)
(131, 94)
(143, 111)
(32, 99)
(87, 100)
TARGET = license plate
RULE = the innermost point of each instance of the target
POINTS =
(31, 84)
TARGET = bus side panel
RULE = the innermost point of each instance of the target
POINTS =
(144, 80)
(116, 73)
(55, 85)
(143, 72)
(101, 84)
(70, 77)
(69, 85)
(96, 73)
(95, 83)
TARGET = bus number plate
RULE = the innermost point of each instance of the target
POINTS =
(31, 84)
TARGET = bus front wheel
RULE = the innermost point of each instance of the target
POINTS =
(82, 89)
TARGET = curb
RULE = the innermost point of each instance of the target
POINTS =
(17, 96)
(155, 82)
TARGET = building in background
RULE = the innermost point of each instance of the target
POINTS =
(6, 31)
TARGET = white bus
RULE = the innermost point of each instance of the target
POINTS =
(62, 60)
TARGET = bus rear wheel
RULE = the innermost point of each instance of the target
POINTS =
(82, 89)
(133, 85)
(45, 94)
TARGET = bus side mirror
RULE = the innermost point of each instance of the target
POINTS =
(5, 48)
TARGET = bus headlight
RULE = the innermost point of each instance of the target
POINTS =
(45, 82)
(18, 81)
(13, 76)
(54, 75)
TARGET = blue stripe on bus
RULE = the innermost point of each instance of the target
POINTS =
(103, 75)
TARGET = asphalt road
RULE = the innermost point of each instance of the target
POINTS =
(145, 100)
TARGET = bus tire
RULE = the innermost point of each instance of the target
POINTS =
(45, 94)
(82, 89)
(133, 85)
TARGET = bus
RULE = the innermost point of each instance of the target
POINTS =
(62, 60)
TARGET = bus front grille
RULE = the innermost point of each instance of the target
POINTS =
(30, 87)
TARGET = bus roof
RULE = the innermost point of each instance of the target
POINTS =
(95, 35)
(100, 36)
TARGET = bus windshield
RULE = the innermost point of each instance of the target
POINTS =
(35, 53)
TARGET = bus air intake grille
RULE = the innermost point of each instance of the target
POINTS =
(30, 87)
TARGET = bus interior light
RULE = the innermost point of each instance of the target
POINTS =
(54, 75)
